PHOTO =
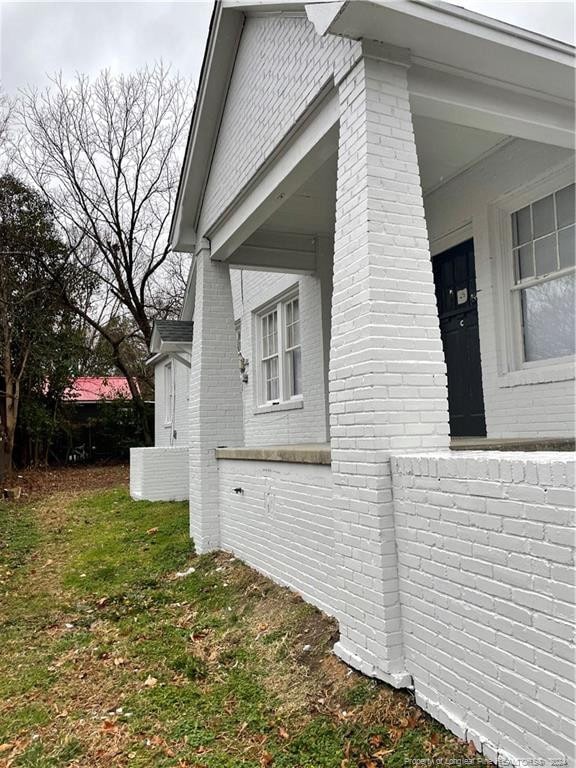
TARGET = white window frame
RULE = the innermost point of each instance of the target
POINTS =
(515, 370)
(285, 400)
(168, 393)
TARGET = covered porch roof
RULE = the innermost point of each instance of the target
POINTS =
(466, 69)
(287, 239)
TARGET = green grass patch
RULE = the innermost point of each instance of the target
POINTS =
(110, 659)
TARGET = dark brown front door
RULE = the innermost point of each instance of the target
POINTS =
(455, 280)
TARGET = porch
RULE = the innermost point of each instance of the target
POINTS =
(469, 181)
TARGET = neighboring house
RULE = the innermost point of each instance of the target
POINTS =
(171, 346)
(98, 423)
(379, 198)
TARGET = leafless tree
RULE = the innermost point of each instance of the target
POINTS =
(106, 154)
(4, 115)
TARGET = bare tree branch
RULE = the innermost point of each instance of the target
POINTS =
(106, 155)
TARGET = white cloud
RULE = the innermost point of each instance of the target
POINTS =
(39, 38)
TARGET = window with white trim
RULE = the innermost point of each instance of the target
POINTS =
(280, 352)
(543, 250)
(168, 393)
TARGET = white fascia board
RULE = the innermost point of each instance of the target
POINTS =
(155, 359)
(187, 312)
(221, 48)
(463, 101)
(154, 340)
(182, 355)
(446, 37)
(266, 6)
(323, 15)
(311, 146)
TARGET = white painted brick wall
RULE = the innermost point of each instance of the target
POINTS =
(250, 290)
(282, 524)
(531, 410)
(486, 553)
(485, 547)
(215, 394)
(281, 66)
(159, 474)
(387, 372)
(163, 432)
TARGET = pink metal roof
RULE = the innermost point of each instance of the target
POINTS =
(90, 389)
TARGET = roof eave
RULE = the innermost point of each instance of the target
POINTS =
(337, 18)
(449, 38)
(220, 54)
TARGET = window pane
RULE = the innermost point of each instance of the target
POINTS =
(566, 247)
(271, 378)
(543, 216)
(296, 372)
(521, 226)
(565, 206)
(524, 262)
(545, 253)
(292, 325)
(548, 317)
(274, 333)
(269, 335)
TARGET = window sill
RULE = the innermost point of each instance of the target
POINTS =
(544, 374)
(289, 405)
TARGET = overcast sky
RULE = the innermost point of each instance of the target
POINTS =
(37, 38)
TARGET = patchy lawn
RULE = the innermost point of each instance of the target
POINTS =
(109, 659)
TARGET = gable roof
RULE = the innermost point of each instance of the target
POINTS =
(171, 336)
(175, 330)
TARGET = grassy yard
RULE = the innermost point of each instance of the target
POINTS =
(109, 659)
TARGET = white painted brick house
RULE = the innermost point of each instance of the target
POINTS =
(379, 200)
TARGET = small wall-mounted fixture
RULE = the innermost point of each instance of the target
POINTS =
(243, 363)
(239, 490)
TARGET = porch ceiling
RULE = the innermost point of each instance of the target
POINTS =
(444, 150)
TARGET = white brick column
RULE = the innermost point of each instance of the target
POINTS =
(215, 395)
(387, 372)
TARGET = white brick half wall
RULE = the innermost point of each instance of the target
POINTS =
(486, 550)
(280, 520)
(485, 546)
(159, 474)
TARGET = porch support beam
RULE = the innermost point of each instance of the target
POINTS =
(387, 372)
(308, 149)
(461, 100)
(215, 394)
(277, 252)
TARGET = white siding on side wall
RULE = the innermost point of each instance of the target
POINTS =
(281, 66)
(250, 290)
(543, 409)
(163, 430)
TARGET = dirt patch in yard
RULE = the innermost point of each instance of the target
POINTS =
(41, 482)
